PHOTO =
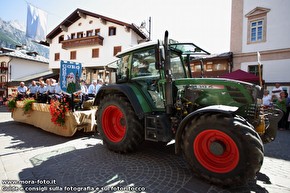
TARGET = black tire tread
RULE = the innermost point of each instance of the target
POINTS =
(134, 132)
(251, 149)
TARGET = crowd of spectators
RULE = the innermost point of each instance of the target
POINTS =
(281, 100)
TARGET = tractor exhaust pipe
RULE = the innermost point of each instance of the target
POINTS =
(168, 76)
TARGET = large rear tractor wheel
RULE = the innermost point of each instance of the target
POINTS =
(118, 125)
(222, 149)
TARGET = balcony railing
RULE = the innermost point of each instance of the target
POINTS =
(84, 41)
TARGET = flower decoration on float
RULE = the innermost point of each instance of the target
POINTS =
(58, 109)
(28, 104)
(11, 104)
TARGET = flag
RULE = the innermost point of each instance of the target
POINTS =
(36, 23)
(70, 73)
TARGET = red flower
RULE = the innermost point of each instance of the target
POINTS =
(58, 109)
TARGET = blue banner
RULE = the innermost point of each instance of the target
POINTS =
(70, 73)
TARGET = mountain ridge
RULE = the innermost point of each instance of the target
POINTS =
(12, 34)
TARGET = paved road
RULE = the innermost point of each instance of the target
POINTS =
(34, 160)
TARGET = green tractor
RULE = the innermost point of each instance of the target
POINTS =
(217, 124)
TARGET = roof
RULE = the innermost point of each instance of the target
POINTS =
(135, 47)
(242, 76)
(23, 54)
(73, 17)
(4, 50)
(35, 76)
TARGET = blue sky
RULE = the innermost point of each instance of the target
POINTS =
(203, 22)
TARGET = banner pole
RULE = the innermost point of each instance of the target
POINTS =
(259, 69)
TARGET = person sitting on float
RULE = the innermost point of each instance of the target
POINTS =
(21, 91)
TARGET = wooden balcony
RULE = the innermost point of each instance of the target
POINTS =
(84, 41)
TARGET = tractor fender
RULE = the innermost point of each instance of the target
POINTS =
(124, 89)
(209, 109)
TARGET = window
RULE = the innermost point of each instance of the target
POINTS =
(97, 31)
(254, 69)
(73, 35)
(122, 68)
(56, 57)
(209, 66)
(80, 34)
(257, 31)
(3, 65)
(177, 67)
(3, 79)
(112, 31)
(197, 67)
(61, 38)
(117, 49)
(143, 64)
(257, 25)
(89, 33)
(95, 53)
(214, 65)
(220, 66)
(73, 55)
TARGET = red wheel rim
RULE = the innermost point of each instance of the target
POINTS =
(113, 123)
(223, 162)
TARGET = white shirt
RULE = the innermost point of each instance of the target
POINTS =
(267, 100)
(276, 91)
(57, 89)
(98, 86)
(92, 89)
(51, 88)
(42, 90)
(22, 89)
(84, 89)
(33, 89)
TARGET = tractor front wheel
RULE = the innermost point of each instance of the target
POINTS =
(222, 149)
(118, 125)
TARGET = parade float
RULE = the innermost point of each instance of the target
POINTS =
(59, 115)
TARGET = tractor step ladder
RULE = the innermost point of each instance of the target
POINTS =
(151, 128)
